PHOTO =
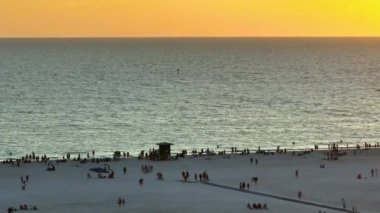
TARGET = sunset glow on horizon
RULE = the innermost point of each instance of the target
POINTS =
(176, 18)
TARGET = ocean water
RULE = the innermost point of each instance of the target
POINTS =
(75, 95)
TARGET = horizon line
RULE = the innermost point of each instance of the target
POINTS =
(171, 37)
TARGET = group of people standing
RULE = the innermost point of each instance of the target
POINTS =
(22, 207)
(185, 175)
(202, 176)
(147, 168)
(257, 206)
(120, 202)
(256, 161)
(244, 186)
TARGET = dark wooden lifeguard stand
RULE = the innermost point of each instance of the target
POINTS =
(164, 150)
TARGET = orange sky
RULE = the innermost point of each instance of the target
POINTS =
(145, 18)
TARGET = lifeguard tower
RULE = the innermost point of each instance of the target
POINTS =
(164, 150)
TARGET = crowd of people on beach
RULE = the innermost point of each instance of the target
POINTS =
(203, 176)
(369, 145)
(26, 159)
(22, 207)
(147, 168)
(257, 206)
(244, 186)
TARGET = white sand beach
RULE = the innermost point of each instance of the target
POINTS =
(68, 189)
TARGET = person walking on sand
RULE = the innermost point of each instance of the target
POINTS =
(118, 201)
(296, 173)
(254, 180)
(256, 161)
(343, 203)
(299, 194)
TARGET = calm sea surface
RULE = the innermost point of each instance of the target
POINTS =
(75, 95)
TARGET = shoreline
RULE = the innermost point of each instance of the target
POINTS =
(203, 151)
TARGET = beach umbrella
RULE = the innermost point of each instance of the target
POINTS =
(98, 170)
